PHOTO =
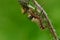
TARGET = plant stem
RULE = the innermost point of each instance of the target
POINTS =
(50, 26)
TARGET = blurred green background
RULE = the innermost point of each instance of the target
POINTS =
(16, 26)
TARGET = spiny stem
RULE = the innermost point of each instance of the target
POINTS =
(50, 26)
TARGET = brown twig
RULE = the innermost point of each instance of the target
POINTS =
(50, 26)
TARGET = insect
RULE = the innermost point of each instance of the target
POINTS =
(33, 14)
(38, 15)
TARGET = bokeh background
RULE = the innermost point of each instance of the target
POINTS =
(16, 26)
